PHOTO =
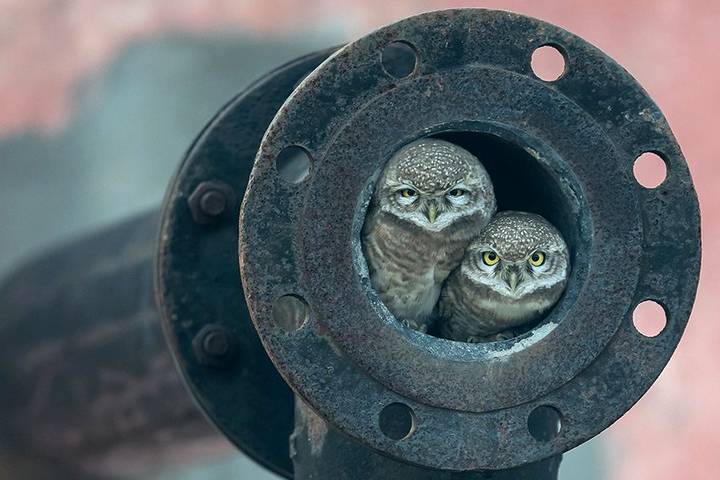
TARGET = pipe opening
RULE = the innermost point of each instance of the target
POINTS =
(524, 286)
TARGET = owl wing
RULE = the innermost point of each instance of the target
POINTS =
(447, 309)
(444, 308)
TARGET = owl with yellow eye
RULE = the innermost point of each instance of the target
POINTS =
(510, 276)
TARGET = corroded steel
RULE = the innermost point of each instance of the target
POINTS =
(320, 451)
(580, 135)
(198, 289)
(564, 149)
(86, 378)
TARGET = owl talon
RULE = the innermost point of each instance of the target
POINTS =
(498, 337)
(422, 328)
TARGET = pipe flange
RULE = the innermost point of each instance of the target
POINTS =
(199, 293)
(462, 406)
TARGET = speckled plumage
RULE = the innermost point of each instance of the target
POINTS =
(412, 243)
(479, 302)
(433, 164)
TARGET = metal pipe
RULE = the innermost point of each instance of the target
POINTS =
(486, 406)
(87, 379)
(320, 451)
(92, 391)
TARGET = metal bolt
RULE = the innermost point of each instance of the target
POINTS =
(213, 203)
(216, 344)
(213, 345)
(210, 201)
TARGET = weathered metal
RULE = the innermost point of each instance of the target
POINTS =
(198, 285)
(375, 400)
(213, 346)
(320, 451)
(87, 384)
(210, 201)
(85, 369)
(575, 141)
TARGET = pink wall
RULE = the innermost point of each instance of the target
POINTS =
(670, 46)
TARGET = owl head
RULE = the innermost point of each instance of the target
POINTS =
(435, 184)
(519, 255)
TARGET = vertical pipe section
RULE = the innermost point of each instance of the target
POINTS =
(319, 451)
(86, 379)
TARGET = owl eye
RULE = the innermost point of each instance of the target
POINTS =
(490, 258)
(537, 259)
(457, 192)
(408, 193)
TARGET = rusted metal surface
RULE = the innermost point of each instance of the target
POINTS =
(567, 146)
(198, 285)
(211, 201)
(84, 369)
(320, 452)
(214, 346)
(581, 134)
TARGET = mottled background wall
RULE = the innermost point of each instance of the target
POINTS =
(99, 99)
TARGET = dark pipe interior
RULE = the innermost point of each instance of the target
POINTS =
(521, 183)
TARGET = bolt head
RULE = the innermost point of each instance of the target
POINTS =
(211, 201)
(213, 346)
(216, 343)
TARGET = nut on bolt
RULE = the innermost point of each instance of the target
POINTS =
(213, 345)
(210, 201)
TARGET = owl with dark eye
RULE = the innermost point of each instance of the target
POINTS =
(431, 199)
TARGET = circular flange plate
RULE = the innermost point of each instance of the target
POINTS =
(198, 288)
(470, 404)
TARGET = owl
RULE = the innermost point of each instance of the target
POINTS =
(431, 199)
(510, 276)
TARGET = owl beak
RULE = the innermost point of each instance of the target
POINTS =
(513, 279)
(432, 212)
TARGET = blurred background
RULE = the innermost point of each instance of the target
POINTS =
(100, 98)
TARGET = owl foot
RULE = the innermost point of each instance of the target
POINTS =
(506, 335)
(420, 327)
(498, 337)
(477, 339)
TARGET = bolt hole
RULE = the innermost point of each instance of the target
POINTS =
(548, 63)
(290, 312)
(650, 170)
(293, 164)
(544, 423)
(397, 421)
(399, 59)
(649, 318)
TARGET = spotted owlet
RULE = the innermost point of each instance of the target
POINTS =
(432, 198)
(511, 275)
